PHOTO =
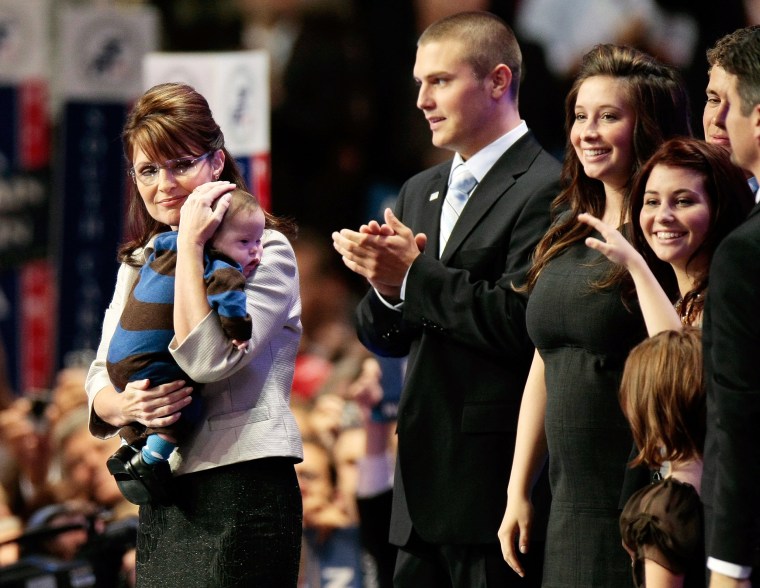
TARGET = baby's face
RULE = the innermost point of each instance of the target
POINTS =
(240, 239)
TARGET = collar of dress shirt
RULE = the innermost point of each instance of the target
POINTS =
(480, 163)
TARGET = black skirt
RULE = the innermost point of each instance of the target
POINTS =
(236, 525)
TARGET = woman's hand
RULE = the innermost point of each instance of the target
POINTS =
(614, 247)
(515, 530)
(198, 221)
(656, 307)
(154, 407)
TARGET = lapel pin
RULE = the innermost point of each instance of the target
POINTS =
(434, 196)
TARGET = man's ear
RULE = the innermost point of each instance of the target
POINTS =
(755, 122)
(500, 79)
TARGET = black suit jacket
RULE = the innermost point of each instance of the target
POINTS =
(469, 353)
(731, 337)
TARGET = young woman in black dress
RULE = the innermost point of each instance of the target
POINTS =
(583, 318)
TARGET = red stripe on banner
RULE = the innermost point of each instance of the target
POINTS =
(261, 179)
(38, 315)
(34, 125)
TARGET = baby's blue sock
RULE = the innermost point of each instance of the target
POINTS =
(157, 449)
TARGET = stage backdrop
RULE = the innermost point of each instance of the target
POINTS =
(98, 75)
(26, 274)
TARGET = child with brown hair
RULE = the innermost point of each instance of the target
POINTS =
(662, 395)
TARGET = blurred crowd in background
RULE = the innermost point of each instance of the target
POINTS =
(345, 134)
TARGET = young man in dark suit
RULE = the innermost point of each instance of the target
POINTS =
(730, 489)
(447, 301)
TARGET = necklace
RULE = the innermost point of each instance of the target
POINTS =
(688, 311)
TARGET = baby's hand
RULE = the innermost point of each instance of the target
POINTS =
(240, 345)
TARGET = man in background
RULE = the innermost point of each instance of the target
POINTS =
(730, 491)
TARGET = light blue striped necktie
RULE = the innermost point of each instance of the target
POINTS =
(462, 184)
(754, 186)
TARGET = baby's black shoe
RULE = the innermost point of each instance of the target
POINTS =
(140, 482)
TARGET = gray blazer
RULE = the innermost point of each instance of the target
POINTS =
(246, 393)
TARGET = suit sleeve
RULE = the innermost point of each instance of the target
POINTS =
(735, 390)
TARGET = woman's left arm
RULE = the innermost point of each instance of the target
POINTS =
(659, 314)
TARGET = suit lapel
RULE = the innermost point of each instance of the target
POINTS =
(497, 182)
(430, 222)
(754, 210)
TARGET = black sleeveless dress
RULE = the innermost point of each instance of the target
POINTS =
(584, 336)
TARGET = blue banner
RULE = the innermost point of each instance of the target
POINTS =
(91, 219)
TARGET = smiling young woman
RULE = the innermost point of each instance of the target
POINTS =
(687, 198)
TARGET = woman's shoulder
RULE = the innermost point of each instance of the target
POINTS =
(275, 236)
(276, 242)
(278, 261)
(139, 255)
(561, 215)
